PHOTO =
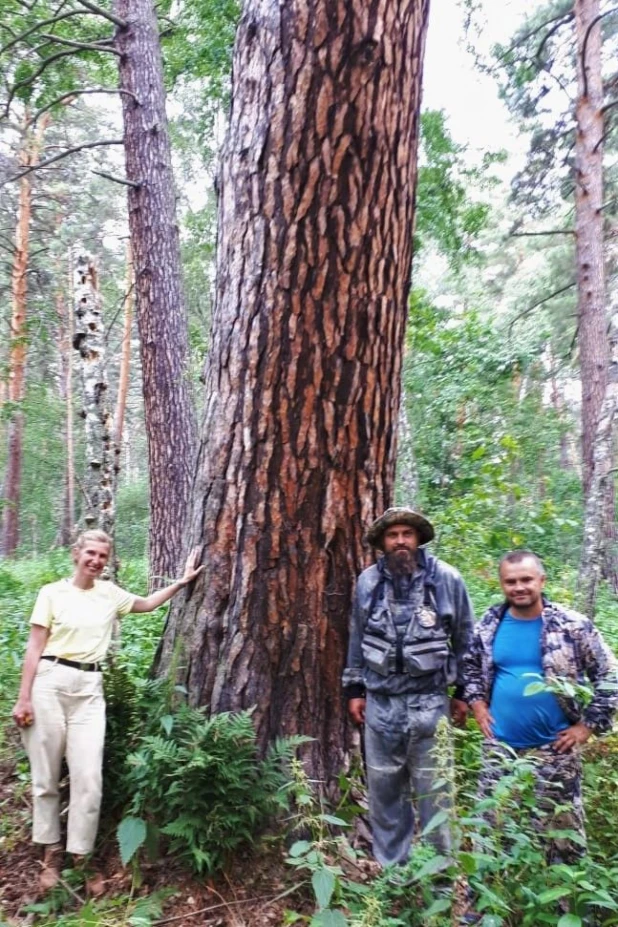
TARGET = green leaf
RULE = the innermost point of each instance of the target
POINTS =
(439, 818)
(439, 905)
(323, 882)
(534, 688)
(298, 848)
(432, 866)
(331, 819)
(329, 919)
(570, 920)
(468, 863)
(167, 723)
(131, 835)
(553, 894)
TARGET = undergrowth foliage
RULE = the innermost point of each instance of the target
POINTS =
(192, 783)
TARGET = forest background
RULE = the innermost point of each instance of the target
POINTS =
(491, 420)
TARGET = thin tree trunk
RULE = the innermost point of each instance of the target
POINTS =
(303, 379)
(65, 352)
(29, 155)
(407, 473)
(89, 340)
(161, 314)
(595, 533)
(125, 366)
(593, 347)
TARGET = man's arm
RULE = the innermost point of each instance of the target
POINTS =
(599, 665)
(353, 674)
(461, 633)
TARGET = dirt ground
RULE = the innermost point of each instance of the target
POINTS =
(254, 891)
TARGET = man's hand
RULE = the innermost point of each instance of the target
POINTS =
(23, 714)
(356, 708)
(574, 736)
(480, 710)
(459, 712)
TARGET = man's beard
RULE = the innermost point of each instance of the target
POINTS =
(401, 562)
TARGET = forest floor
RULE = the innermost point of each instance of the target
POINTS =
(256, 890)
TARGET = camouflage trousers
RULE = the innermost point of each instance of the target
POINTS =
(557, 794)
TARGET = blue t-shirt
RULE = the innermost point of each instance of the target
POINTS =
(522, 720)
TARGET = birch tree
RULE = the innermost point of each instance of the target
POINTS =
(89, 341)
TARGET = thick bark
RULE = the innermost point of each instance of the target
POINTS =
(303, 379)
(29, 155)
(161, 314)
(593, 347)
(89, 340)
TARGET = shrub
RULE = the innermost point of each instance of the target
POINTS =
(199, 782)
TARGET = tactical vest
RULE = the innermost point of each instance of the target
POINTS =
(421, 651)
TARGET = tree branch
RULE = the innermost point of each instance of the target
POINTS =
(136, 184)
(528, 35)
(86, 46)
(549, 232)
(75, 93)
(562, 21)
(594, 22)
(62, 154)
(29, 80)
(540, 302)
(121, 23)
(45, 22)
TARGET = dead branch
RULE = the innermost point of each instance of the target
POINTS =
(136, 184)
(105, 13)
(549, 232)
(540, 302)
(62, 154)
(85, 46)
(74, 93)
(566, 18)
(594, 22)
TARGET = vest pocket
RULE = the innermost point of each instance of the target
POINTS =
(376, 653)
(424, 658)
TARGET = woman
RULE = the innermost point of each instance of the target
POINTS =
(60, 708)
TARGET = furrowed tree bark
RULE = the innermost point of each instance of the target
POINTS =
(89, 340)
(160, 310)
(303, 379)
(29, 156)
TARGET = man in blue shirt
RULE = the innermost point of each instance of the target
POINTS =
(527, 638)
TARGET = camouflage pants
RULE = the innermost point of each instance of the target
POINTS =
(557, 792)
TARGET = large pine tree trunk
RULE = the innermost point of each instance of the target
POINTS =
(161, 314)
(303, 379)
(29, 155)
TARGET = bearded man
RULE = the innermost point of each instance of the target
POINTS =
(411, 624)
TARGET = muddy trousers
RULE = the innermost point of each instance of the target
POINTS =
(69, 721)
(402, 763)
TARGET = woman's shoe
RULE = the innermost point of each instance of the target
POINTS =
(52, 863)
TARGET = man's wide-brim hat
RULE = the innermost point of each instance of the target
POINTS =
(399, 515)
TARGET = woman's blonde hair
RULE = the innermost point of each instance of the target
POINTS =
(100, 537)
